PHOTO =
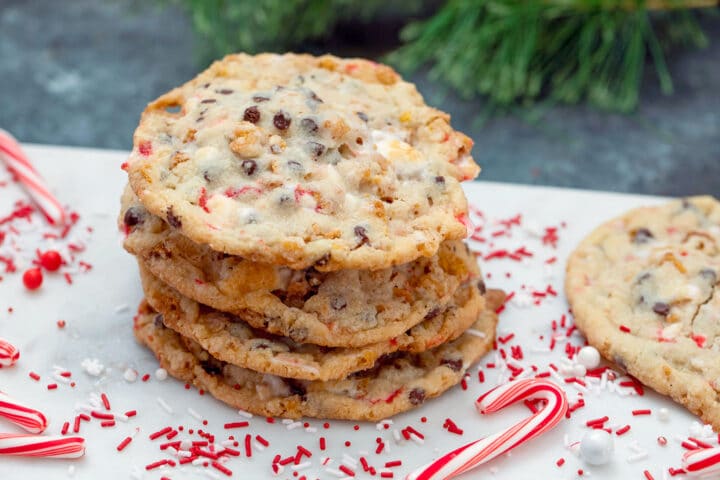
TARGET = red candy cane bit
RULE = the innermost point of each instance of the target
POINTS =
(702, 462)
(41, 446)
(478, 452)
(20, 414)
(9, 354)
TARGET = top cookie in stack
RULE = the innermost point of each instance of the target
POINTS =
(298, 225)
(301, 161)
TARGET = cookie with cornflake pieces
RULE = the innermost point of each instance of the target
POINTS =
(304, 162)
(644, 289)
(396, 382)
(346, 308)
(227, 338)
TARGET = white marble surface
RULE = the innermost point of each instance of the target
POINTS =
(91, 181)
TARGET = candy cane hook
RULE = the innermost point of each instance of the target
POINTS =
(481, 451)
(20, 165)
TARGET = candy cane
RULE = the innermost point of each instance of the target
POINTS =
(20, 165)
(480, 451)
(705, 461)
(9, 354)
(22, 415)
(41, 446)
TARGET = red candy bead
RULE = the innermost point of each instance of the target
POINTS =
(33, 278)
(50, 260)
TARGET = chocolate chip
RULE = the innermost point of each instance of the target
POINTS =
(338, 303)
(133, 216)
(295, 166)
(282, 120)
(313, 96)
(309, 125)
(709, 274)
(432, 313)
(209, 100)
(206, 175)
(322, 261)
(661, 308)
(252, 114)
(416, 396)
(173, 219)
(224, 91)
(481, 286)
(440, 179)
(363, 116)
(298, 334)
(361, 233)
(249, 167)
(296, 388)
(316, 149)
(260, 98)
(211, 366)
(642, 235)
(159, 321)
(454, 365)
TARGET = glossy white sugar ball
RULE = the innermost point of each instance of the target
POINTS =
(588, 357)
(596, 447)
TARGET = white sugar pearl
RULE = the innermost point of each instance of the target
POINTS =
(596, 447)
(579, 370)
(130, 375)
(161, 374)
(663, 414)
(588, 357)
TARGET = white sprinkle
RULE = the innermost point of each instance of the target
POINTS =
(183, 453)
(476, 333)
(130, 375)
(280, 470)
(136, 474)
(258, 445)
(245, 414)
(199, 461)
(84, 407)
(396, 436)
(349, 461)
(71, 470)
(287, 421)
(210, 473)
(161, 374)
(301, 466)
(637, 456)
(416, 439)
(336, 473)
(294, 425)
(92, 367)
(122, 308)
(194, 414)
(60, 378)
(635, 447)
(164, 405)
(120, 416)
(311, 429)
(187, 444)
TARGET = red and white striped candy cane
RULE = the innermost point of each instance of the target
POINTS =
(480, 451)
(702, 462)
(41, 446)
(20, 165)
(22, 415)
(9, 354)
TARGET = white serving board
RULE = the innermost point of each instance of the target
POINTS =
(91, 182)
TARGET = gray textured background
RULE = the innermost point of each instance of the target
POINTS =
(79, 72)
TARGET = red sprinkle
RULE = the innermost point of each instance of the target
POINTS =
(236, 425)
(394, 463)
(262, 441)
(105, 401)
(107, 423)
(625, 329)
(322, 443)
(130, 413)
(648, 476)
(346, 470)
(645, 411)
(52, 386)
(121, 446)
(34, 376)
(219, 466)
(157, 464)
(623, 430)
(560, 462)
(160, 433)
(60, 323)
(248, 447)
(65, 428)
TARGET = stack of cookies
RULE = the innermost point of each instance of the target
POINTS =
(298, 222)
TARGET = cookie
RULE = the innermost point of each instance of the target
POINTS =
(345, 308)
(305, 162)
(396, 383)
(231, 340)
(644, 289)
